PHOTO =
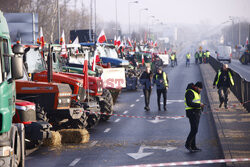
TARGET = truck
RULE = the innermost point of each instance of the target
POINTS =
(12, 140)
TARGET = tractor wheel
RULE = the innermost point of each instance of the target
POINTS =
(41, 116)
(79, 123)
(93, 117)
(106, 105)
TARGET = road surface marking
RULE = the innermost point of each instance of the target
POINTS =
(137, 100)
(156, 120)
(93, 143)
(142, 95)
(125, 112)
(73, 163)
(141, 154)
(107, 130)
(117, 120)
(132, 105)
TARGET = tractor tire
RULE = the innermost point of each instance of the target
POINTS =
(106, 105)
(78, 123)
(93, 117)
(41, 116)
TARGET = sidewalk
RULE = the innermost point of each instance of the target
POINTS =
(233, 124)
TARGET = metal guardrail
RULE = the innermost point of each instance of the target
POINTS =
(241, 88)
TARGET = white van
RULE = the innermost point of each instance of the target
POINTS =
(224, 53)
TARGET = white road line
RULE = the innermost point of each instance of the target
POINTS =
(132, 105)
(137, 100)
(107, 130)
(93, 143)
(117, 120)
(142, 95)
(125, 112)
(73, 163)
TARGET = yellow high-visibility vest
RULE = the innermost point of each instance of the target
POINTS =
(197, 99)
(230, 77)
(164, 78)
(188, 56)
(208, 54)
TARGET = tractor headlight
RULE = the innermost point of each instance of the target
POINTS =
(59, 101)
(68, 100)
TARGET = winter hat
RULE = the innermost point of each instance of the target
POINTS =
(199, 84)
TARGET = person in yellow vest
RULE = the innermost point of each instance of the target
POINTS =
(200, 56)
(188, 56)
(223, 80)
(172, 57)
(207, 56)
(193, 107)
(161, 81)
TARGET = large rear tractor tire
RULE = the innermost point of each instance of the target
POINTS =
(106, 105)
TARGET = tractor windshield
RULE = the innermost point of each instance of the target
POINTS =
(34, 60)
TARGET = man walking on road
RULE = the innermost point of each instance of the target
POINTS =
(188, 56)
(146, 81)
(224, 81)
(161, 81)
(193, 107)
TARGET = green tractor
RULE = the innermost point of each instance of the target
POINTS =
(12, 135)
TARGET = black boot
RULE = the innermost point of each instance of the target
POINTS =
(165, 108)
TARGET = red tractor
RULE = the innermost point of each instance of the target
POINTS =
(36, 67)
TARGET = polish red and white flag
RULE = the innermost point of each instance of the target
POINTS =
(102, 37)
(63, 44)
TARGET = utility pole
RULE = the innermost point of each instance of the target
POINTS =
(90, 23)
(75, 16)
(95, 21)
(116, 18)
(58, 19)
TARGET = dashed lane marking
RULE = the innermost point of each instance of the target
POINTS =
(142, 95)
(125, 112)
(93, 143)
(73, 163)
(132, 105)
(107, 130)
(137, 100)
(117, 120)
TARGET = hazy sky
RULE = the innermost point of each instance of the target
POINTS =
(172, 11)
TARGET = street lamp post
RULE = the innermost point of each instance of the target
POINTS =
(129, 14)
(144, 9)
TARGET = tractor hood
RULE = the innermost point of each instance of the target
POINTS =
(115, 61)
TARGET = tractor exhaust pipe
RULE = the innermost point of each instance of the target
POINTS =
(49, 61)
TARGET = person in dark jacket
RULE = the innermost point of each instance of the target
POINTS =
(161, 81)
(193, 107)
(146, 81)
(223, 80)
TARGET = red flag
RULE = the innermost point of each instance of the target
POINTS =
(247, 41)
(102, 37)
(142, 59)
(115, 41)
(41, 37)
(165, 51)
(129, 42)
(118, 42)
(155, 44)
(94, 62)
(64, 49)
(85, 71)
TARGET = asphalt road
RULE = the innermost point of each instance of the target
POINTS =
(159, 142)
(243, 70)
